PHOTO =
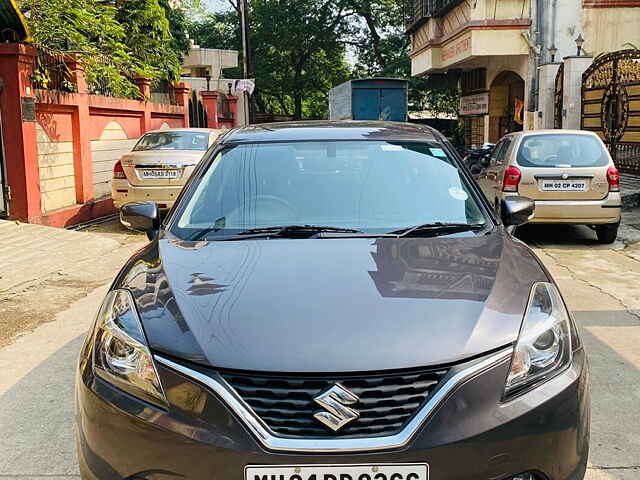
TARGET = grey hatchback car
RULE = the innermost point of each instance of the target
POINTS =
(333, 301)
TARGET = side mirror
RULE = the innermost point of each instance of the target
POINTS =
(141, 217)
(485, 162)
(516, 211)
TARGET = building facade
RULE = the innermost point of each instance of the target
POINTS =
(507, 53)
(202, 71)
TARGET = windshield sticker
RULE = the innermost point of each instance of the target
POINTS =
(458, 194)
(391, 148)
(438, 152)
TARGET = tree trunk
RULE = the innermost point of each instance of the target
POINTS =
(375, 37)
(297, 90)
(297, 99)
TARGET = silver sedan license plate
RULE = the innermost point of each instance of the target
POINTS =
(398, 471)
(157, 173)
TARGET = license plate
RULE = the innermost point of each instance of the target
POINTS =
(418, 471)
(149, 173)
(564, 185)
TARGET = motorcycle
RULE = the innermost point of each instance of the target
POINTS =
(478, 159)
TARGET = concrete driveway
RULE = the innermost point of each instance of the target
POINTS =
(601, 285)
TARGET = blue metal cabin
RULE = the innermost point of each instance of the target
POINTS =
(369, 99)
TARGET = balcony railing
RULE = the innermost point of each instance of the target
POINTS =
(418, 11)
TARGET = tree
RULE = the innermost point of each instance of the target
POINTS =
(115, 42)
(218, 30)
(149, 38)
(297, 58)
(383, 50)
(295, 62)
(90, 30)
(177, 17)
(378, 21)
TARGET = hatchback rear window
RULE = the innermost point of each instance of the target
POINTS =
(173, 141)
(562, 151)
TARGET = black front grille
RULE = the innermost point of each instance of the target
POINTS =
(286, 405)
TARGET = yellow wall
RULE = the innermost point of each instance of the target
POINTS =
(500, 9)
(444, 42)
(57, 175)
(610, 29)
(105, 152)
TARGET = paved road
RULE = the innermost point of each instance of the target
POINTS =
(601, 284)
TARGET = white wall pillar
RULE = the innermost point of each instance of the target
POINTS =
(546, 104)
(574, 67)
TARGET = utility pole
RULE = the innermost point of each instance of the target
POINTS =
(246, 55)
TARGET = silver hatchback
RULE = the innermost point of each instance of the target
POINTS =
(568, 173)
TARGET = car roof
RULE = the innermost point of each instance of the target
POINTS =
(195, 130)
(332, 130)
(530, 133)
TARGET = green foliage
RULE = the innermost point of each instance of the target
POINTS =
(114, 43)
(297, 51)
(218, 30)
(148, 37)
(177, 18)
(383, 50)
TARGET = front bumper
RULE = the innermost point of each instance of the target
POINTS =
(473, 435)
(123, 192)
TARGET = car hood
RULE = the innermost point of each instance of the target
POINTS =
(332, 305)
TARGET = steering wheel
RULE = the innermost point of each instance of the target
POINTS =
(269, 208)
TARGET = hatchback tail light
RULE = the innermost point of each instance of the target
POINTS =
(613, 177)
(118, 171)
(512, 178)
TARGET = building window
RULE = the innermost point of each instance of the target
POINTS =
(473, 81)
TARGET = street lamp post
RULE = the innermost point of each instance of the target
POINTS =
(579, 44)
(246, 55)
(553, 51)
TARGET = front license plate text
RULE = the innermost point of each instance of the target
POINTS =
(339, 472)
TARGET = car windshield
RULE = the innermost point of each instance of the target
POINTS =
(562, 151)
(173, 141)
(371, 186)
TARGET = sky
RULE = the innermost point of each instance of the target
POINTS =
(216, 5)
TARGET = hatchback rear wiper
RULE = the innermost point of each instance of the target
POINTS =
(437, 228)
(286, 231)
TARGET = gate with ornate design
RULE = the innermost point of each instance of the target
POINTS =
(558, 97)
(611, 105)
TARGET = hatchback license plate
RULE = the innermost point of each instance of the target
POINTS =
(564, 185)
(148, 173)
(418, 471)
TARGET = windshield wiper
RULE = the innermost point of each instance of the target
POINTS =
(437, 228)
(287, 231)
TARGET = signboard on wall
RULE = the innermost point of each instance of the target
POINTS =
(28, 109)
(475, 104)
(456, 50)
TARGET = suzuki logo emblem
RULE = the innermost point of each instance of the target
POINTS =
(336, 401)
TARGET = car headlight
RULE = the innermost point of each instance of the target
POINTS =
(121, 355)
(544, 344)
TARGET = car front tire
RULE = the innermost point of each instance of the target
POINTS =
(607, 234)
